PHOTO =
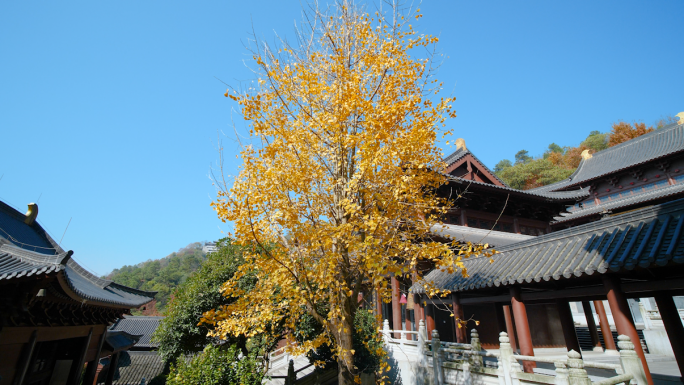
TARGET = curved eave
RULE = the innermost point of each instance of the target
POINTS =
(551, 196)
(80, 289)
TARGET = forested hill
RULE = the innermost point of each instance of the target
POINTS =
(558, 163)
(161, 275)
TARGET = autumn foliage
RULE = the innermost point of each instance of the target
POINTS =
(336, 186)
(558, 163)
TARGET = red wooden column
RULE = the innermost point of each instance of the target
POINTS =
(605, 327)
(378, 305)
(510, 328)
(523, 328)
(458, 316)
(673, 326)
(419, 309)
(623, 318)
(429, 319)
(568, 325)
(396, 308)
(591, 324)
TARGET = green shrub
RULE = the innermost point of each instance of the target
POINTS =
(217, 366)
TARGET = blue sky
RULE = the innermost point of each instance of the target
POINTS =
(109, 111)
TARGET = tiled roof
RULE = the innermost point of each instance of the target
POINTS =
(475, 235)
(139, 325)
(560, 196)
(17, 263)
(645, 238)
(460, 153)
(660, 193)
(646, 148)
(27, 250)
(134, 366)
(117, 341)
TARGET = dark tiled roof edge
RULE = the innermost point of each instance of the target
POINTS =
(674, 129)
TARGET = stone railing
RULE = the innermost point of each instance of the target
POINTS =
(467, 364)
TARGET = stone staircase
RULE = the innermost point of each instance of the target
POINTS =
(585, 338)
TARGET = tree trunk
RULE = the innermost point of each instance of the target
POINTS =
(345, 361)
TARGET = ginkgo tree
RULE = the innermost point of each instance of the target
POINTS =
(338, 186)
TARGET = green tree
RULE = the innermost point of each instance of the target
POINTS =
(534, 173)
(505, 163)
(596, 141)
(179, 332)
(522, 157)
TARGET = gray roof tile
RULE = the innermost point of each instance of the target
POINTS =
(646, 148)
(134, 366)
(139, 325)
(648, 237)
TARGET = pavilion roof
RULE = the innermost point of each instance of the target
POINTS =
(28, 251)
(645, 238)
(460, 153)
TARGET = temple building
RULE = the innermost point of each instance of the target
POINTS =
(54, 315)
(610, 233)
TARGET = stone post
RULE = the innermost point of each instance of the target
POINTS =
(422, 336)
(386, 331)
(577, 375)
(476, 359)
(438, 374)
(644, 314)
(505, 357)
(631, 364)
(291, 375)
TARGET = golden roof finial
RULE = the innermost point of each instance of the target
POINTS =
(31, 214)
(460, 144)
(586, 154)
(681, 117)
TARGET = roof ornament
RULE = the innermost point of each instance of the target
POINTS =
(586, 154)
(31, 214)
(681, 118)
(460, 143)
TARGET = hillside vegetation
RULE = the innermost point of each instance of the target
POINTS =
(558, 163)
(161, 275)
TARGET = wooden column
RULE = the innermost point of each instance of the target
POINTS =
(623, 318)
(429, 319)
(673, 326)
(591, 324)
(418, 307)
(396, 308)
(25, 359)
(114, 362)
(91, 369)
(75, 376)
(605, 327)
(523, 329)
(568, 325)
(510, 328)
(378, 305)
(458, 316)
